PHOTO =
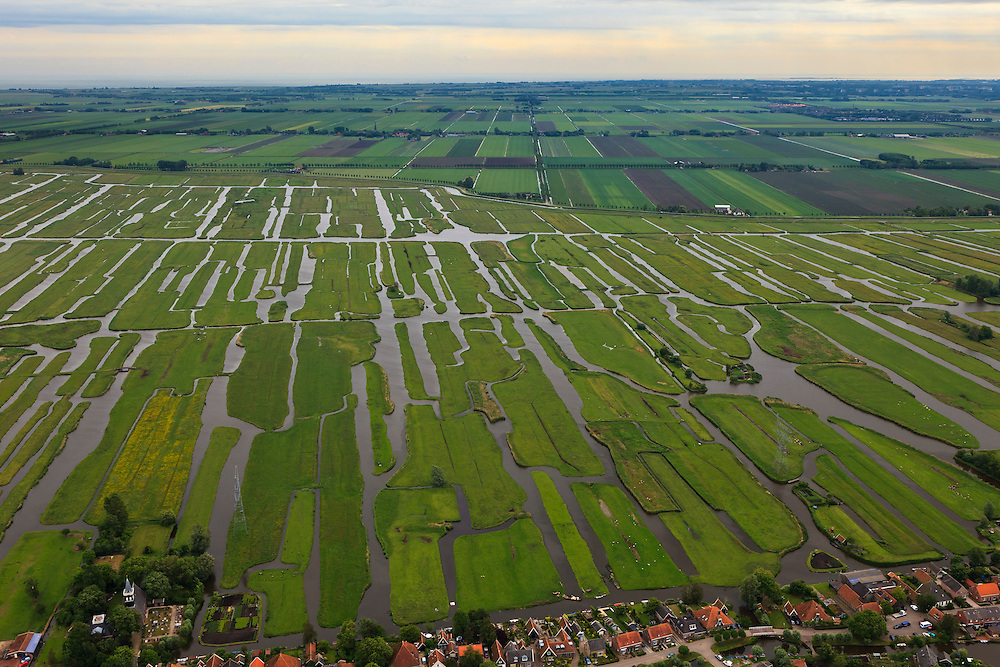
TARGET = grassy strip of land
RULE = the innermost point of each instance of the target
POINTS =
(35, 441)
(943, 352)
(606, 398)
(297, 547)
(175, 360)
(505, 569)
(718, 556)
(151, 472)
(552, 349)
(626, 442)
(379, 405)
(104, 377)
(783, 337)
(412, 379)
(602, 339)
(891, 533)
(576, 549)
(279, 463)
(468, 455)
(409, 523)
(511, 337)
(925, 516)
(753, 428)
(696, 426)
(286, 600)
(636, 557)
(325, 352)
(9, 356)
(258, 389)
(485, 359)
(544, 433)
(720, 479)
(343, 542)
(99, 348)
(27, 396)
(871, 390)
(12, 501)
(61, 336)
(942, 383)
(198, 508)
(964, 494)
(47, 556)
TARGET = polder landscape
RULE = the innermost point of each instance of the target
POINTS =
(499, 347)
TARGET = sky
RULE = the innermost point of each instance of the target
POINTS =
(138, 42)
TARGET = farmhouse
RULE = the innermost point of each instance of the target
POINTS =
(436, 658)
(658, 635)
(714, 616)
(984, 593)
(283, 660)
(626, 642)
(807, 613)
(405, 654)
(593, 648)
(979, 618)
(24, 646)
(689, 627)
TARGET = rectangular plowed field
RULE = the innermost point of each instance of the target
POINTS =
(663, 190)
(339, 148)
(866, 191)
(620, 146)
(724, 186)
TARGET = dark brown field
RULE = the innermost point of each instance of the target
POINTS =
(622, 147)
(339, 148)
(663, 190)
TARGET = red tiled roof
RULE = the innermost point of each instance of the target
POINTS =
(987, 590)
(282, 660)
(475, 648)
(713, 617)
(660, 631)
(810, 611)
(628, 639)
(405, 655)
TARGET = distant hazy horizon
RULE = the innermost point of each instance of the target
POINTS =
(228, 42)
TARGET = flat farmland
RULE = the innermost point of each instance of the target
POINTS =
(867, 192)
(662, 190)
(544, 383)
(717, 186)
(507, 180)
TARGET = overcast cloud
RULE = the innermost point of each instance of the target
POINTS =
(314, 41)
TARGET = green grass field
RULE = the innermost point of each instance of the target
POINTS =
(409, 523)
(636, 557)
(576, 549)
(198, 509)
(504, 569)
(870, 390)
(788, 339)
(258, 389)
(286, 600)
(544, 433)
(940, 382)
(49, 557)
(753, 428)
(602, 339)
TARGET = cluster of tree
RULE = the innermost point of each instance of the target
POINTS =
(467, 183)
(755, 167)
(902, 161)
(974, 332)
(172, 165)
(74, 161)
(474, 627)
(115, 529)
(18, 171)
(986, 462)
(953, 211)
(568, 133)
(760, 588)
(977, 286)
